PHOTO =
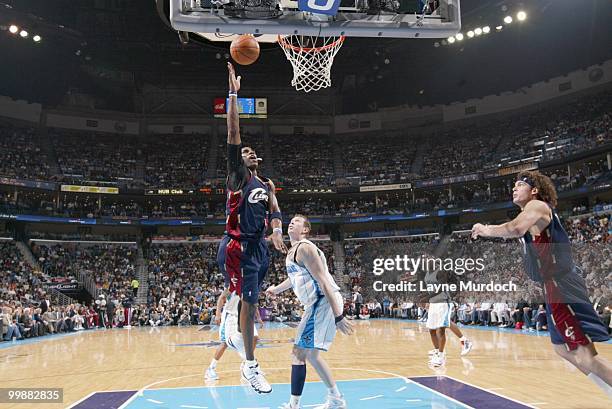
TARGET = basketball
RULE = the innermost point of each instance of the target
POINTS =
(245, 49)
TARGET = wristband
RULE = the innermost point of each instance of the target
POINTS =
(339, 318)
(232, 94)
(278, 230)
(276, 215)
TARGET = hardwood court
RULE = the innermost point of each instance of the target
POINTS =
(519, 366)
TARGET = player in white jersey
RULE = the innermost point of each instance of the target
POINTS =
(227, 318)
(438, 319)
(323, 313)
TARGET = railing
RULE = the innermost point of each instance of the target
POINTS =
(59, 298)
(89, 284)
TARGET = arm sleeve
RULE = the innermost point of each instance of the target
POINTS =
(237, 173)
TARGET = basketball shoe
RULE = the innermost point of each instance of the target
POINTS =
(211, 374)
(334, 402)
(255, 378)
(289, 406)
(466, 347)
(438, 360)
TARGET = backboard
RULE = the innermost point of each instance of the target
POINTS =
(220, 20)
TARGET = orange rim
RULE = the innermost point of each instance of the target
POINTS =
(285, 44)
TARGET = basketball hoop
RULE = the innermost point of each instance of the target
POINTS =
(311, 58)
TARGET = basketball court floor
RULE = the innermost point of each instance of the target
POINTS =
(383, 365)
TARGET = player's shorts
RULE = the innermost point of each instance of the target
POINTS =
(229, 326)
(231, 336)
(318, 326)
(222, 327)
(439, 315)
(244, 265)
(572, 323)
(586, 324)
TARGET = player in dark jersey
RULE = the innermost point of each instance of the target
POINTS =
(243, 252)
(572, 321)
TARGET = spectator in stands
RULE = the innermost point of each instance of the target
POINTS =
(10, 329)
(135, 285)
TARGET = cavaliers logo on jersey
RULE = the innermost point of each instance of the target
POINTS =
(257, 195)
(569, 333)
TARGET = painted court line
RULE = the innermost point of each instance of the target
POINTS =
(501, 396)
(372, 397)
(441, 394)
(471, 395)
(155, 401)
(420, 382)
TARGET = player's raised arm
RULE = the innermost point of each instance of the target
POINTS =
(276, 221)
(233, 122)
(237, 172)
(535, 212)
(307, 254)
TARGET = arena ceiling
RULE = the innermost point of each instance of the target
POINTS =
(110, 48)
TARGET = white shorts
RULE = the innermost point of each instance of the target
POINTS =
(229, 326)
(318, 326)
(439, 315)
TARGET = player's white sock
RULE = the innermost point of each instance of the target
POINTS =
(250, 363)
(334, 391)
(601, 383)
(295, 401)
(463, 339)
(213, 363)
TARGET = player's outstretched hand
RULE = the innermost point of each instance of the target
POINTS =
(277, 240)
(270, 291)
(345, 326)
(478, 230)
(234, 83)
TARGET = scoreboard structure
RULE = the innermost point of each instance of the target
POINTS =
(247, 107)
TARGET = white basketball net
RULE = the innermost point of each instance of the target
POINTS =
(312, 58)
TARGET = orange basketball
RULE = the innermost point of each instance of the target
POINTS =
(245, 49)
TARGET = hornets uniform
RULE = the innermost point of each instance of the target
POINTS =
(228, 329)
(440, 306)
(317, 328)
